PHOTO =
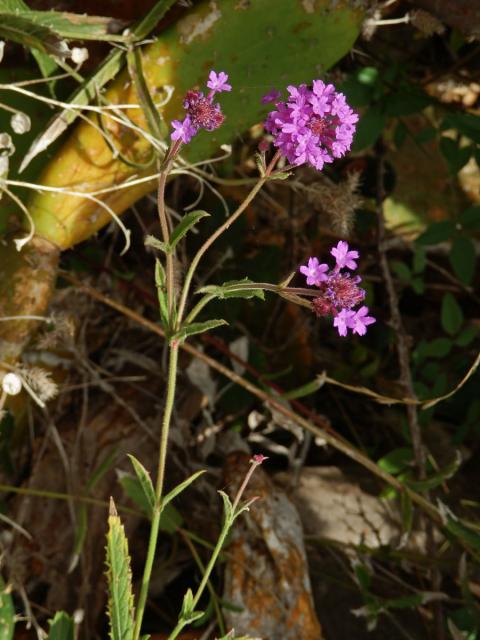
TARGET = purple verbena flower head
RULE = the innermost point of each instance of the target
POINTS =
(314, 271)
(339, 291)
(343, 256)
(218, 82)
(183, 130)
(313, 126)
(202, 111)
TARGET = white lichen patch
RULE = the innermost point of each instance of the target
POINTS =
(196, 26)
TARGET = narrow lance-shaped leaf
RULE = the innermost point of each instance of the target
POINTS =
(244, 288)
(188, 221)
(437, 479)
(119, 577)
(181, 487)
(145, 481)
(198, 327)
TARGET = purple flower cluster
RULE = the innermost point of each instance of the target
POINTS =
(202, 111)
(313, 126)
(339, 291)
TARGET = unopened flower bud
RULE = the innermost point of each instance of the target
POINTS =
(20, 122)
(11, 384)
(79, 55)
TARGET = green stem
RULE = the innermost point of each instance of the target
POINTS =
(229, 520)
(162, 214)
(208, 243)
(152, 543)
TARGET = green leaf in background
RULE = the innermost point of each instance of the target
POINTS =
(436, 232)
(61, 627)
(119, 578)
(405, 102)
(451, 315)
(396, 461)
(369, 128)
(402, 270)
(466, 123)
(455, 155)
(459, 528)
(436, 480)
(470, 218)
(466, 336)
(188, 221)
(462, 258)
(7, 612)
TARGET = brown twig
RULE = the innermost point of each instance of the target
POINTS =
(403, 354)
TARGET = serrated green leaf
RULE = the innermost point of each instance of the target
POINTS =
(188, 221)
(451, 314)
(145, 481)
(234, 289)
(7, 612)
(198, 327)
(462, 258)
(119, 577)
(438, 479)
(61, 627)
(181, 487)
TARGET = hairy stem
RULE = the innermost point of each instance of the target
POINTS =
(152, 543)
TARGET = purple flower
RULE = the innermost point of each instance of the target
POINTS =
(183, 130)
(202, 112)
(343, 256)
(272, 96)
(218, 82)
(360, 321)
(343, 321)
(313, 126)
(338, 292)
(314, 271)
